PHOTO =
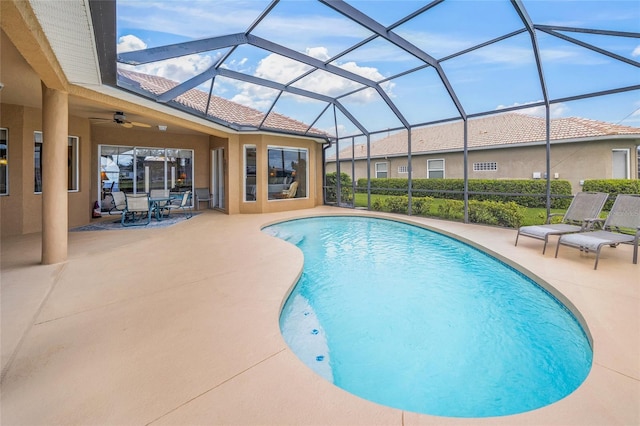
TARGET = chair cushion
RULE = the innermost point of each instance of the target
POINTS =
(541, 231)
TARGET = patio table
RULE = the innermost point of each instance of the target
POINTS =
(156, 202)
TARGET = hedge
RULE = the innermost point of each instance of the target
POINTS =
(346, 192)
(453, 189)
(613, 187)
(507, 214)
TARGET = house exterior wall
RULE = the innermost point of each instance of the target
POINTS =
(21, 210)
(574, 162)
(262, 204)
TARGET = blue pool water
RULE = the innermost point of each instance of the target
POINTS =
(413, 319)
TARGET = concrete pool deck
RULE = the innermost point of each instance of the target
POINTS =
(179, 325)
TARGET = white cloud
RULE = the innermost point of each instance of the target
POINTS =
(272, 67)
(556, 110)
(129, 43)
(281, 69)
(636, 51)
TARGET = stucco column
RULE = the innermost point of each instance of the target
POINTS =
(55, 211)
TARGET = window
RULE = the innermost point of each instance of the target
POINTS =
(403, 170)
(250, 173)
(4, 162)
(435, 169)
(37, 162)
(72, 162)
(287, 174)
(620, 169)
(131, 169)
(381, 170)
(485, 166)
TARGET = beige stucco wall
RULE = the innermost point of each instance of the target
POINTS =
(262, 204)
(22, 208)
(571, 161)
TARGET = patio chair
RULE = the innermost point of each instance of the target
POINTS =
(581, 215)
(162, 198)
(203, 194)
(118, 202)
(291, 192)
(183, 204)
(137, 210)
(622, 226)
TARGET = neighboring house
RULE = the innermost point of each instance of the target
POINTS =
(503, 146)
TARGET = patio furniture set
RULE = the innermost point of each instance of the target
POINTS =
(138, 209)
(581, 226)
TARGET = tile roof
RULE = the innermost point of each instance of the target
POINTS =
(220, 108)
(492, 131)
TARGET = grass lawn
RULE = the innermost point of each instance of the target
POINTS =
(532, 216)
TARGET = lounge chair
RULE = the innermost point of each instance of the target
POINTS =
(183, 204)
(137, 211)
(580, 216)
(622, 226)
(203, 194)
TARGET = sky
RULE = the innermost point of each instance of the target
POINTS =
(498, 76)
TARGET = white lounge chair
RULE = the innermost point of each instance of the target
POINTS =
(622, 226)
(581, 215)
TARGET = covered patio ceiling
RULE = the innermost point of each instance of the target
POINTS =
(363, 67)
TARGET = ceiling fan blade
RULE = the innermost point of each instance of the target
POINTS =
(136, 123)
(127, 125)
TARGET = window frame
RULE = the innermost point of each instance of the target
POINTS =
(73, 162)
(386, 169)
(245, 165)
(306, 178)
(403, 170)
(74, 169)
(430, 169)
(4, 161)
(38, 146)
(485, 166)
(627, 155)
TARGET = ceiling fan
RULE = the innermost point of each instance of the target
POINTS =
(121, 119)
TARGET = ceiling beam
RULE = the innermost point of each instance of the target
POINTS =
(161, 53)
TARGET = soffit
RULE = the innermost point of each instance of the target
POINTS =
(69, 30)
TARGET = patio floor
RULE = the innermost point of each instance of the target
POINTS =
(179, 325)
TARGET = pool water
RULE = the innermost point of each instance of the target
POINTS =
(416, 320)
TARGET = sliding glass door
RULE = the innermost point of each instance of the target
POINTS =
(140, 169)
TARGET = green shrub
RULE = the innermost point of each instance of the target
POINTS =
(613, 187)
(489, 212)
(421, 205)
(346, 190)
(495, 213)
(451, 209)
(400, 204)
(378, 204)
(453, 189)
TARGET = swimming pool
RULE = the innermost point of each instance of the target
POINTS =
(413, 319)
